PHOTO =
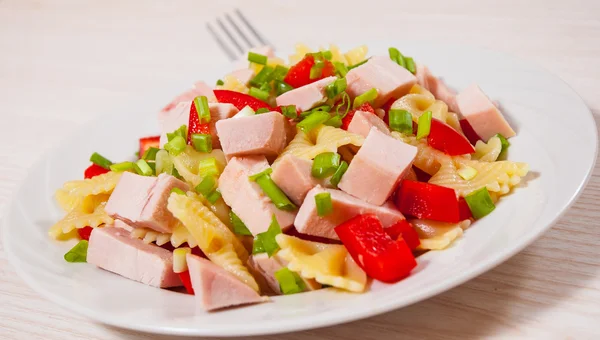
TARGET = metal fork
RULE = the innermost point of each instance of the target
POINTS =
(238, 50)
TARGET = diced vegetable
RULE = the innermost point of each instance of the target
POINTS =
(339, 172)
(281, 87)
(396, 56)
(178, 191)
(207, 185)
(272, 191)
(316, 71)
(214, 196)
(324, 203)
(175, 146)
(367, 97)
(401, 121)
(262, 110)
(299, 74)
(267, 171)
(209, 166)
(267, 238)
(315, 119)
(257, 58)
(195, 126)
(150, 154)
(404, 230)
(220, 82)
(239, 100)
(505, 144)
(444, 138)
(202, 142)
(181, 131)
(238, 225)
(187, 282)
(179, 259)
(93, 171)
(148, 142)
(264, 76)
(340, 68)
(280, 72)
(424, 125)
(289, 282)
(374, 251)
(100, 160)
(259, 94)
(143, 168)
(163, 162)
(464, 210)
(85, 232)
(410, 65)
(257, 246)
(289, 111)
(480, 203)
(202, 110)
(335, 121)
(78, 253)
(325, 164)
(335, 88)
(366, 107)
(467, 173)
(427, 201)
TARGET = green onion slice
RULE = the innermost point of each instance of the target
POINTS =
(182, 131)
(263, 77)
(238, 225)
(344, 104)
(315, 119)
(401, 121)
(274, 193)
(368, 96)
(123, 166)
(209, 167)
(214, 196)
(201, 103)
(289, 281)
(207, 185)
(480, 202)
(396, 56)
(262, 110)
(335, 121)
(327, 54)
(358, 64)
(316, 71)
(339, 172)
(267, 238)
(150, 154)
(279, 72)
(289, 111)
(410, 65)
(100, 160)
(281, 87)
(267, 171)
(335, 88)
(504, 142)
(202, 142)
(220, 82)
(143, 168)
(259, 94)
(340, 68)
(325, 164)
(257, 246)
(324, 204)
(78, 253)
(178, 191)
(176, 145)
(424, 125)
(257, 58)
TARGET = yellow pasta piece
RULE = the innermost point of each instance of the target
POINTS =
(78, 218)
(213, 237)
(336, 54)
(329, 264)
(356, 55)
(301, 51)
(428, 159)
(436, 235)
(219, 208)
(73, 193)
(497, 177)
(321, 139)
(488, 152)
(187, 163)
(233, 84)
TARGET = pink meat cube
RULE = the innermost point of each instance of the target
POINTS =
(180, 115)
(293, 176)
(247, 199)
(113, 249)
(362, 122)
(307, 96)
(262, 134)
(390, 79)
(345, 207)
(267, 267)
(142, 201)
(200, 88)
(482, 114)
(377, 167)
(437, 87)
(216, 288)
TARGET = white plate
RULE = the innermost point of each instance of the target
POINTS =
(556, 136)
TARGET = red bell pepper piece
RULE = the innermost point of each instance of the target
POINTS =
(444, 138)
(147, 143)
(427, 201)
(374, 251)
(93, 171)
(240, 100)
(404, 230)
(187, 282)
(85, 232)
(348, 118)
(299, 74)
(469, 132)
(464, 210)
(194, 125)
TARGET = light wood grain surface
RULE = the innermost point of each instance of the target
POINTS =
(62, 63)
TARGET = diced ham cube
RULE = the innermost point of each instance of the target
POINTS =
(247, 199)
(200, 88)
(362, 122)
(307, 96)
(437, 87)
(113, 249)
(377, 167)
(345, 207)
(180, 115)
(216, 288)
(242, 75)
(267, 266)
(262, 134)
(482, 114)
(293, 176)
(390, 79)
(141, 201)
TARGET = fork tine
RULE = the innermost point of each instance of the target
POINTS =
(238, 30)
(250, 27)
(231, 37)
(221, 43)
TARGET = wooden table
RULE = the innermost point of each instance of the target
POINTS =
(66, 62)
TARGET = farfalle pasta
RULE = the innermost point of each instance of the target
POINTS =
(74, 192)
(435, 235)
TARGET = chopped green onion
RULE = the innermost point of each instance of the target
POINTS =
(280, 72)
(176, 174)
(263, 77)
(176, 145)
(238, 225)
(265, 87)
(123, 166)
(335, 88)
(78, 253)
(467, 173)
(480, 202)
(143, 168)
(214, 196)
(316, 71)
(150, 154)
(339, 172)
(220, 82)
(100, 160)
(325, 164)
(289, 282)
(327, 54)
(152, 166)
(504, 142)
(267, 238)
(178, 191)
(267, 171)
(164, 163)
(209, 167)
(201, 103)
(257, 58)
(345, 103)
(424, 125)
(324, 204)
(335, 121)
(357, 64)
(207, 185)
(401, 121)
(182, 131)
(274, 193)
(259, 94)
(281, 87)
(340, 68)
(368, 96)
(202, 142)
(396, 56)
(262, 110)
(289, 111)
(410, 65)
(325, 108)
(315, 119)
(257, 246)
